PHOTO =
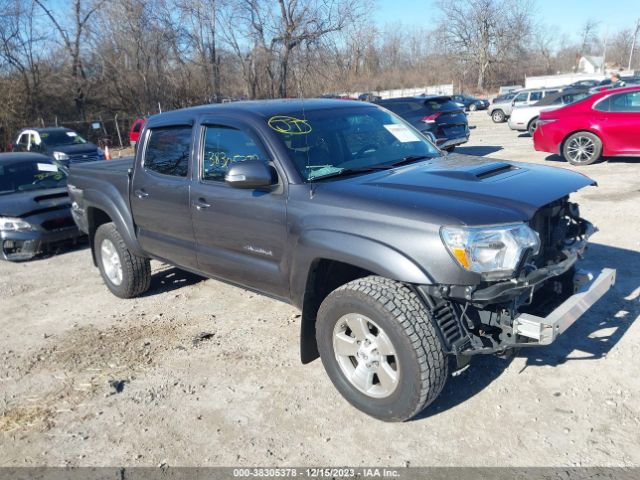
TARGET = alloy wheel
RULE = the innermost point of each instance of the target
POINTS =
(111, 262)
(581, 149)
(366, 355)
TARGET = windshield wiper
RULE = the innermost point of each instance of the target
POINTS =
(350, 171)
(410, 159)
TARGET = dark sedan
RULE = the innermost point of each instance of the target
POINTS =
(35, 209)
(438, 117)
(470, 103)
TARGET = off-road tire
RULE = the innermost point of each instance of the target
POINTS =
(498, 116)
(136, 271)
(422, 363)
(594, 156)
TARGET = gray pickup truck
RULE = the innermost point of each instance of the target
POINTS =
(401, 258)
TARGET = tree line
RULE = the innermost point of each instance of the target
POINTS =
(79, 59)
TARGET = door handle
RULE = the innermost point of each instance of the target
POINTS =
(201, 204)
(140, 193)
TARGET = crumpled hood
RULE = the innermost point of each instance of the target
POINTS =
(24, 204)
(462, 189)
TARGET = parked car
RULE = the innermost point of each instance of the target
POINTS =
(500, 111)
(398, 256)
(524, 119)
(504, 97)
(134, 133)
(582, 84)
(470, 103)
(438, 117)
(369, 97)
(606, 124)
(606, 84)
(64, 145)
(35, 209)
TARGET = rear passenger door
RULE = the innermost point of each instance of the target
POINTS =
(160, 195)
(240, 233)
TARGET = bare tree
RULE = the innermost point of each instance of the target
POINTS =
(588, 37)
(485, 32)
(72, 31)
(20, 47)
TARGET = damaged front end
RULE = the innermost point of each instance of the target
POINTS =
(543, 296)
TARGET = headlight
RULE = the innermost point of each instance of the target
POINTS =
(492, 251)
(60, 156)
(8, 224)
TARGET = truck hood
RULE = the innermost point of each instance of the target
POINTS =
(24, 204)
(461, 189)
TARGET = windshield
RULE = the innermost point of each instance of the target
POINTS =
(322, 143)
(28, 175)
(61, 137)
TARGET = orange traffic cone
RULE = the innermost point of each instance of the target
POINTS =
(107, 155)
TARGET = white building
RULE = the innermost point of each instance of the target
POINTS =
(589, 64)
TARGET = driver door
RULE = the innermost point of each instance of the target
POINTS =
(240, 233)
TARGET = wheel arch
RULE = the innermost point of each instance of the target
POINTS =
(101, 209)
(323, 263)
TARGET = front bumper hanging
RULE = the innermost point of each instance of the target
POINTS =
(544, 330)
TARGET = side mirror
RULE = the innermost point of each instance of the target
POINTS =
(250, 174)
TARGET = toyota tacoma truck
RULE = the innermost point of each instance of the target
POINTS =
(403, 260)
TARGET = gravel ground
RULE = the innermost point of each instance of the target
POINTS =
(200, 373)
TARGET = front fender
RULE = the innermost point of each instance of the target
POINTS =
(362, 252)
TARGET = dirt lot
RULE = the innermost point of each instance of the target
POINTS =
(201, 373)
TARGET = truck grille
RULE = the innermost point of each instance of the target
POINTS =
(83, 157)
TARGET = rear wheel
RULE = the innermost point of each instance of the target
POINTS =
(380, 348)
(124, 273)
(582, 148)
(473, 107)
(532, 126)
(498, 116)
(449, 149)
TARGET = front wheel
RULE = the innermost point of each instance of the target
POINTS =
(498, 116)
(380, 349)
(125, 274)
(473, 107)
(582, 148)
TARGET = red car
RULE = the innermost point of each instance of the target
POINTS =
(606, 124)
(136, 129)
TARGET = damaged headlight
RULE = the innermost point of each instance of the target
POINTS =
(8, 224)
(494, 252)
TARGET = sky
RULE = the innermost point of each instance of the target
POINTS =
(567, 15)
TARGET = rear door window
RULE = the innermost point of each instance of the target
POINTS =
(625, 102)
(168, 151)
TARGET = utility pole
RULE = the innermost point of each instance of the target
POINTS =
(633, 44)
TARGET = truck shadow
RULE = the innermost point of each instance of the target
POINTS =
(592, 337)
(170, 278)
(479, 151)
